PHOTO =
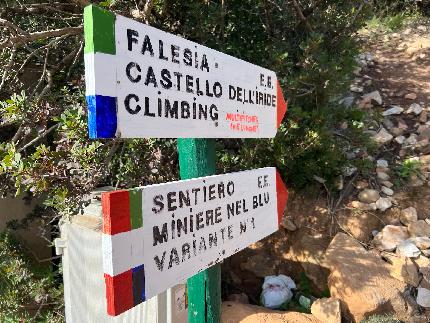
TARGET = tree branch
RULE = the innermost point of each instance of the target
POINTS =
(8, 67)
(301, 16)
(42, 135)
(26, 38)
(147, 10)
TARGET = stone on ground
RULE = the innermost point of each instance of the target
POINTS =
(403, 269)
(383, 176)
(356, 88)
(422, 243)
(422, 262)
(411, 96)
(390, 237)
(415, 108)
(244, 313)
(392, 111)
(362, 282)
(309, 251)
(423, 297)
(387, 191)
(288, 224)
(373, 96)
(368, 196)
(408, 249)
(381, 163)
(327, 310)
(425, 271)
(419, 228)
(382, 137)
(387, 184)
(400, 139)
(408, 215)
(363, 206)
(384, 203)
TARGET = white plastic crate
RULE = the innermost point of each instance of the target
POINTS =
(84, 287)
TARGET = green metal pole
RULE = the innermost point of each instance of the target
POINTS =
(197, 159)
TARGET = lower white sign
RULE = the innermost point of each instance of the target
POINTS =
(185, 227)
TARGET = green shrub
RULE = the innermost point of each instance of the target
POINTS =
(28, 292)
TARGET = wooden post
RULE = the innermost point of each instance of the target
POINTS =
(197, 159)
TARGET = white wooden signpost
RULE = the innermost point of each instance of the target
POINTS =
(143, 82)
(157, 236)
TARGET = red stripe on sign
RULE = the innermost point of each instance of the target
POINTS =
(282, 196)
(119, 292)
(116, 212)
(281, 105)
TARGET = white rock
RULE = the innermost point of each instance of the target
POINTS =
(393, 111)
(408, 215)
(384, 203)
(387, 184)
(387, 191)
(356, 88)
(368, 195)
(390, 237)
(383, 176)
(373, 96)
(288, 224)
(415, 108)
(412, 140)
(383, 136)
(381, 163)
(423, 297)
(408, 249)
(400, 139)
(422, 243)
(363, 206)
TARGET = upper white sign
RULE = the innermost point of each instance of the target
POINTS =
(150, 83)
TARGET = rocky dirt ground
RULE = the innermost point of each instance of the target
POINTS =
(369, 249)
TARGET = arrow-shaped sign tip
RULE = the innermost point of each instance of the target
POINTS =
(282, 196)
(281, 106)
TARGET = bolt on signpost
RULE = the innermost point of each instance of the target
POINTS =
(142, 82)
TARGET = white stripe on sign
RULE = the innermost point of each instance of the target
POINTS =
(122, 251)
(100, 77)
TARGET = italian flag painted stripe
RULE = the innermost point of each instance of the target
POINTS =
(100, 50)
(124, 272)
(102, 41)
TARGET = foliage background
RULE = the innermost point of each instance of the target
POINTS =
(44, 146)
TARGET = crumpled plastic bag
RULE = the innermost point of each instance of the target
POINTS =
(277, 291)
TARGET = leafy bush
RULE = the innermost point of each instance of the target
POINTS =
(28, 292)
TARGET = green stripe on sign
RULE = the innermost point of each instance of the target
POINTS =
(99, 30)
(136, 208)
